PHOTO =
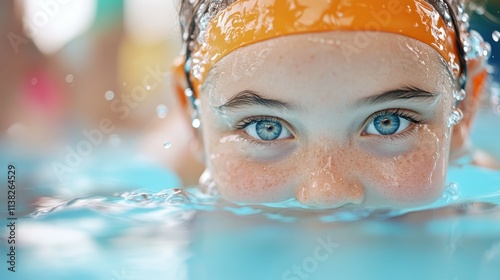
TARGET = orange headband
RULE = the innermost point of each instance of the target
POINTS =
(249, 21)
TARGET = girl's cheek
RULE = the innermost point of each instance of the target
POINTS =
(243, 180)
(414, 178)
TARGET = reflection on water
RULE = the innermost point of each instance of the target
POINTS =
(182, 234)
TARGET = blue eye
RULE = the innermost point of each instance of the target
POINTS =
(267, 130)
(387, 123)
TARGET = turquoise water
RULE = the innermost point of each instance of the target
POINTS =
(129, 221)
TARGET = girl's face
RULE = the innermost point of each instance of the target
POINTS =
(329, 119)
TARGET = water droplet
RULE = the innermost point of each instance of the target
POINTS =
(496, 35)
(459, 95)
(476, 47)
(480, 10)
(196, 123)
(486, 49)
(115, 140)
(451, 192)
(201, 9)
(69, 78)
(464, 17)
(197, 71)
(161, 111)
(455, 117)
(148, 87)
(109, 95)
(188, 92)
(34, 81)
(167, 144)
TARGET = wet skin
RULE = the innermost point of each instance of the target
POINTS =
(321, 103)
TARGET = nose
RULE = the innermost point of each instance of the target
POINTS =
(330, 186)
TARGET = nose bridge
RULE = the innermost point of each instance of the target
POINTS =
(329, 182)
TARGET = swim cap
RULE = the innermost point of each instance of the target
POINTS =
(249, 21)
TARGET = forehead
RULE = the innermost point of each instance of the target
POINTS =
(308, 61)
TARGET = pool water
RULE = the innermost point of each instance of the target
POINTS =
(130, 221)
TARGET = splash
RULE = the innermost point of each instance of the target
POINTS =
(167, 204)
(451, 193)
(469, 187)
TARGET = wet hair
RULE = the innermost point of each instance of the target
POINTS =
(194, 14)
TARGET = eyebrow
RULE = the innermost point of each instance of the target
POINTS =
(405, 93)
(248, 98)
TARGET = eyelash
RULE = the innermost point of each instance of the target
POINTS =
(394, 137)
(415, 120)
(251, 120)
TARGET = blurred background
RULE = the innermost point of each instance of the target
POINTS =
(85, 86)
(85, 102)
(72, 63)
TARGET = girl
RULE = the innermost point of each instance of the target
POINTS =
(333, 103)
